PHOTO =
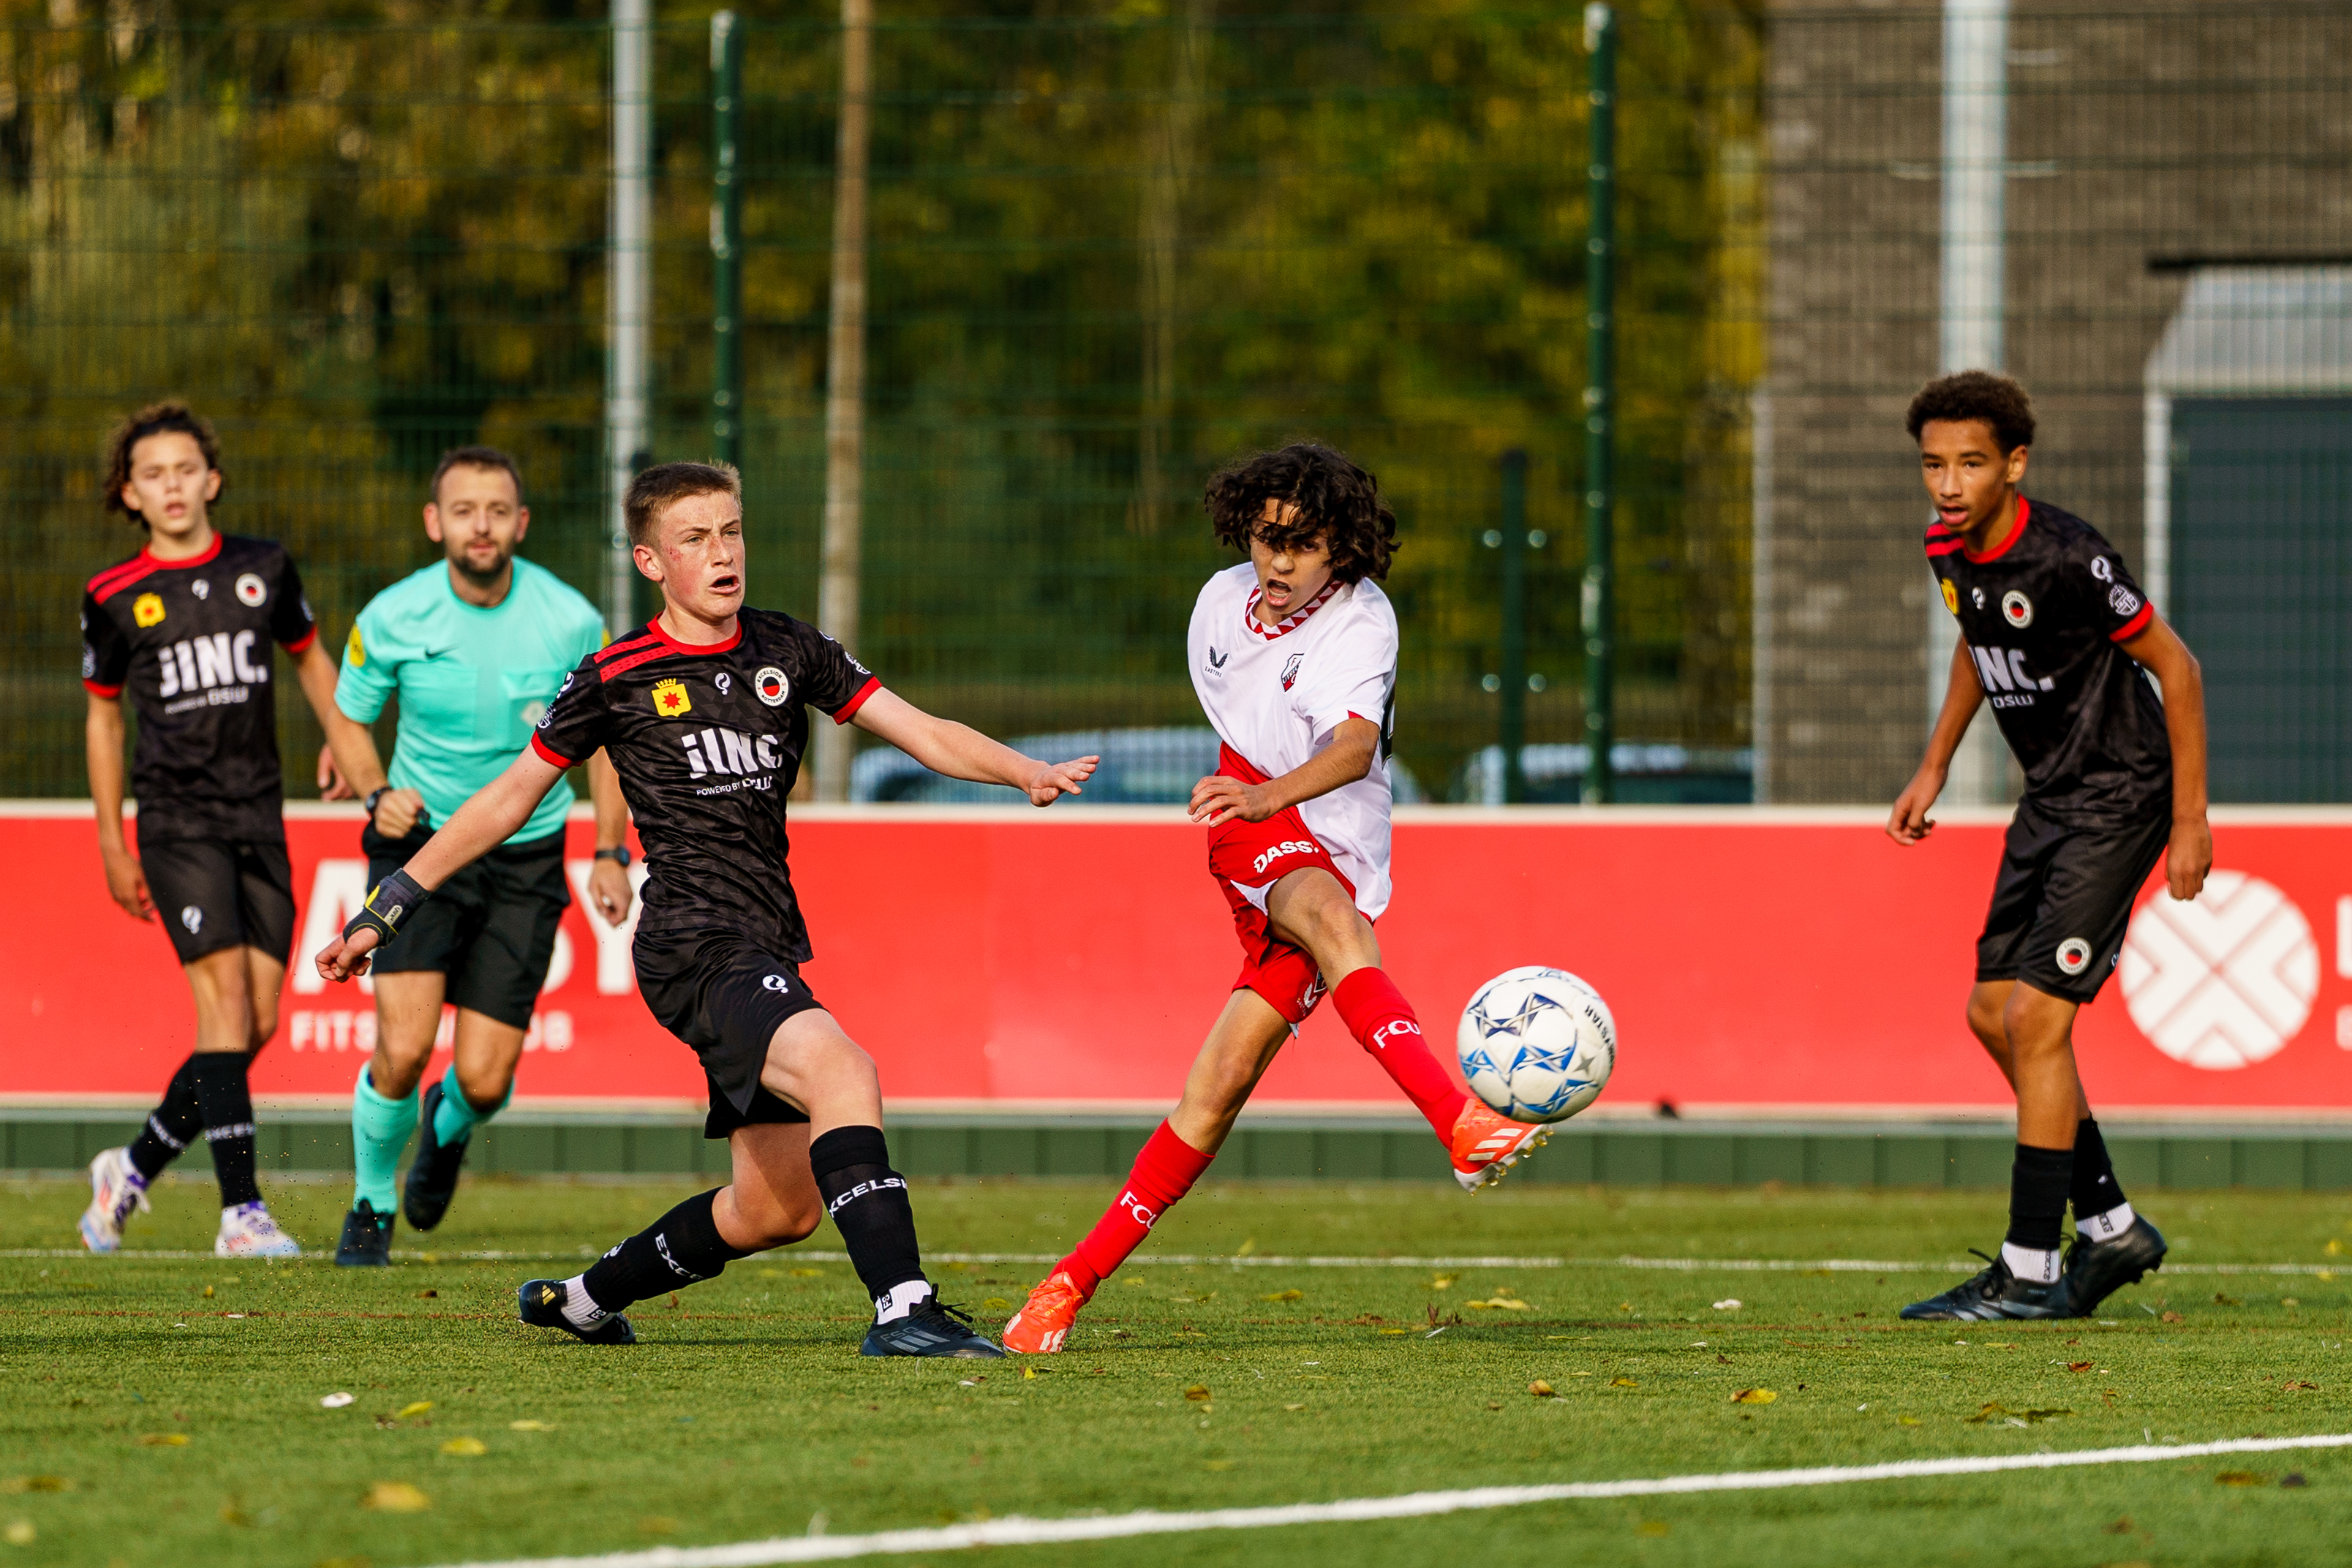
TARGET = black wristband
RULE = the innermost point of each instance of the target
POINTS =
(618, 853)
(388, 902)
(374, 796)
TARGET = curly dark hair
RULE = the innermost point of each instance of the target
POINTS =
(1997, 400)
(1339, 503)
(156, 419)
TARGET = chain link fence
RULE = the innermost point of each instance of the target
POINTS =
(1113, 248)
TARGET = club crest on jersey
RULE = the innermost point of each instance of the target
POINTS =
(250, 591)
(1951, 597)
(670, 700)
(202, 588)
(1290, 670)
(771, 687)
(2101, 570)
(2123, 601)
(2017, 609)
(147, 609)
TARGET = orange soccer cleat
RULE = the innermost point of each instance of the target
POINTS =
(1486, 1143)
(1044, 1320)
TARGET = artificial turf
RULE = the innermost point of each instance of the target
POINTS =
(744, 1412)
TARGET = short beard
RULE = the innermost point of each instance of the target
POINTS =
(459, 564)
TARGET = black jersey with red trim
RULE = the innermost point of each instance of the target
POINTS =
(2043, 616)
(188, 642)
(708, 741)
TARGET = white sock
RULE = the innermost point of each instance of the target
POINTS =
(900, 1299)
(580, 1309)
(2105, 1227)
(2030, 1264)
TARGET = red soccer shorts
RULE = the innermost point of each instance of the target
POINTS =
(1255, 856)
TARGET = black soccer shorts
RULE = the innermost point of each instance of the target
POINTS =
(489, 930)
(215, 893)
(725, 997)
(2064, 898)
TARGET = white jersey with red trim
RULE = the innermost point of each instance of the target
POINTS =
(1276, 694)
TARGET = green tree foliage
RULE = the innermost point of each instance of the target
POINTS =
(1113, 245)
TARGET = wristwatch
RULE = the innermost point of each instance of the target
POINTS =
(619, 855)
(374, 796)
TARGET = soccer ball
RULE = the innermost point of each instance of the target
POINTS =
(1537, 1043)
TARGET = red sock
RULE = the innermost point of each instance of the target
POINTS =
(1163, 1172)
(1380, 1017)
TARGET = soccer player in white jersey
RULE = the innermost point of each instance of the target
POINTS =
(1293, 655)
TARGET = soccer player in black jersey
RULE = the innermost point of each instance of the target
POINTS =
(2056, 634)
(705, 714)
(185, 629)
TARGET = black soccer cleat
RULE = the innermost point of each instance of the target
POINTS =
(540, 1303)
(1995, 1295)
(367, 1239)
(2097, 1269)
(931, 1329)
(433, 1179)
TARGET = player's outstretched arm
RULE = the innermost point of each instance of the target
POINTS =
(1963, 694)
(126, 884)
(2159, 650)
(1354, 747)
(961, 751)
(478, 826)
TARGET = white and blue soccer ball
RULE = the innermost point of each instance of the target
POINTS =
(1537, 1043)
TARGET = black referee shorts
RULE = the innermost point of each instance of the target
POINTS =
(215, 893)
(2063, 899)
(725, 997)
(489, 930)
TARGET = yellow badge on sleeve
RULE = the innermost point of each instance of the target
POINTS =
(147, 609)
(669, 699)
(1951, 602)
(354, 652)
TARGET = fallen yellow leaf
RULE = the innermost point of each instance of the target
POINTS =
(808, 1273)
(1907, 1421)
(465, 1448)
(531, 1426)
(1754, 1396)
(418, 1407)
(1283, 1296)
(396, 1497)
(2239, 1478)
(36, 1484)
(163, 1439)
(1502, 1303)
(2335, 1249)
(1543, 1390)
(996, 1304)
(1622, 1382)
(1293, 1407)
(1246, 1247)
(1443, 1282)
(20, 1533)
(1028, 1374)
(1199, 1391)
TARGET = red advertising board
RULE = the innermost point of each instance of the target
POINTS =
(1757, 961)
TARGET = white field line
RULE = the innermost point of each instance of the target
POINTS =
(1274, 1260)
(1020, 1531)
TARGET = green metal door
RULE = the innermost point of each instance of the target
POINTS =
(2262, 555)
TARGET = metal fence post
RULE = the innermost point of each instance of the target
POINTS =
(1515, 626)
(629, 299)
(1600, 413)
(726, 241)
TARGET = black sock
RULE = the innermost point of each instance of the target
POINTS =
(228, 1109)
(2095, 1190)
(680, 1248)
(170, 1127)
(2037, 1196)
(868, 1202)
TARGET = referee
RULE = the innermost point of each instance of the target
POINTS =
(475, 648)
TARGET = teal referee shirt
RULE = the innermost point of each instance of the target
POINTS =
(472, 682)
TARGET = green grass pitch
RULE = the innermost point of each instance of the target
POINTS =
(178, 1400)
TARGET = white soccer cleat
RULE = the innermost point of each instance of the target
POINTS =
(247, 1231)
(116, 1188)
